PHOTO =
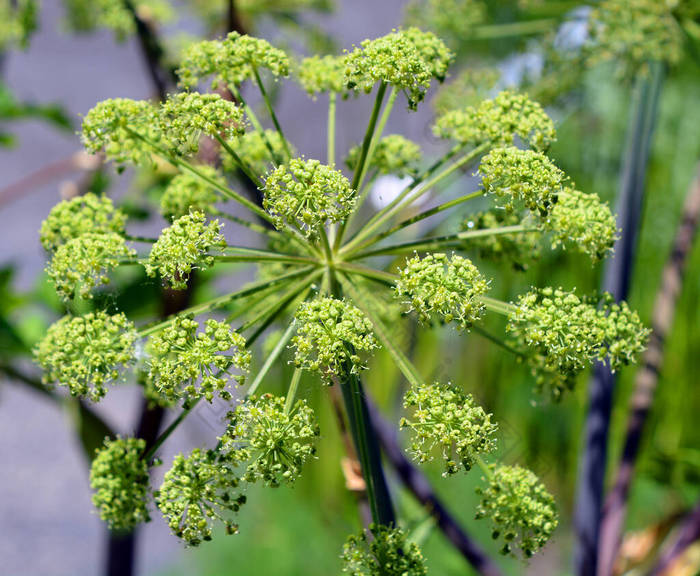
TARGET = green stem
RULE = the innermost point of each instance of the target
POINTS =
(385, 278)
(509, 29)
(332, 99)
(269, 232)
(292, 392)
(247, 170)
(142, 239)
(222, 301)
(148, 456)
(240, 254)
(256, 123)
(366, 142)
(442, 241)
(417, 218)
(484, 467)
(271, 111)
(498, 306)
(491, 338)
(272, 358)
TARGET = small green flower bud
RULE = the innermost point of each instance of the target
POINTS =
(107, 128)
(199, 489)
(517, 249)
(230, 61)
(331, 335)
(524, 177)
(84, 353)
(306, 194)
(523, 513)
(119, 478)
(253, 151)
(498, 122)
(382, 551)
(80, 215)
(186, 193)
(83, 263)
(444, 417)
(394, 154)
(278, 443)
(183, 247)
(445, 286)
(185, 117)
(584, 222)
(407, 60)
(565, 334)
(186, 364)
(322, 74)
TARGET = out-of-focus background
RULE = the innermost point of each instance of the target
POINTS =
(47, 521)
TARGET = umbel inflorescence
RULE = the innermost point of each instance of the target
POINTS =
(328, 278)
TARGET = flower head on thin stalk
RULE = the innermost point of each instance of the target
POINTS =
(85, 353)
(319, 74)
(406, 59)
(277, 442)
(498, 122)
(81, 215)
(83, 263)
(331, 334)
(186, 117)
(521, 177)
(306, 194)
(120, 481)
(394, 154)
(187, 193)
(108, 128)
(230, 61)
(444, 286)
(186, 364)
(565, 334)
(445, 418)
(183, 247)
(523, 513)
(382, 551)
(197, 490)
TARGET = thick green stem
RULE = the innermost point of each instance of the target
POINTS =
(332, 99)
(271, 111)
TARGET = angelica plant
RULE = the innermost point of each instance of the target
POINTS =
(329, 278)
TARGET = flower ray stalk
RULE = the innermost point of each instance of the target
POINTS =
(271, 110)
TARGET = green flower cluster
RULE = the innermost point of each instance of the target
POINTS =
(230, 61)
(452, 19)
(526, 177)
(394, 154)
(186, 364)
(84, 353)
(80, 215)
(275, 443)
(83, 263)
(382, 551)
(407, 60)
(119, 478)
(111, 126)
(252, 149)
(523, 513)
(306, 194)
(517, 248)
(444, 417)
(197, 490)
(447, 286)
(583, 221)
(331, 333)
(635, 32)
(322, 74)
(184, 246)
(185, 117)
(565, 334)
(186, 193)
(498, 122)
